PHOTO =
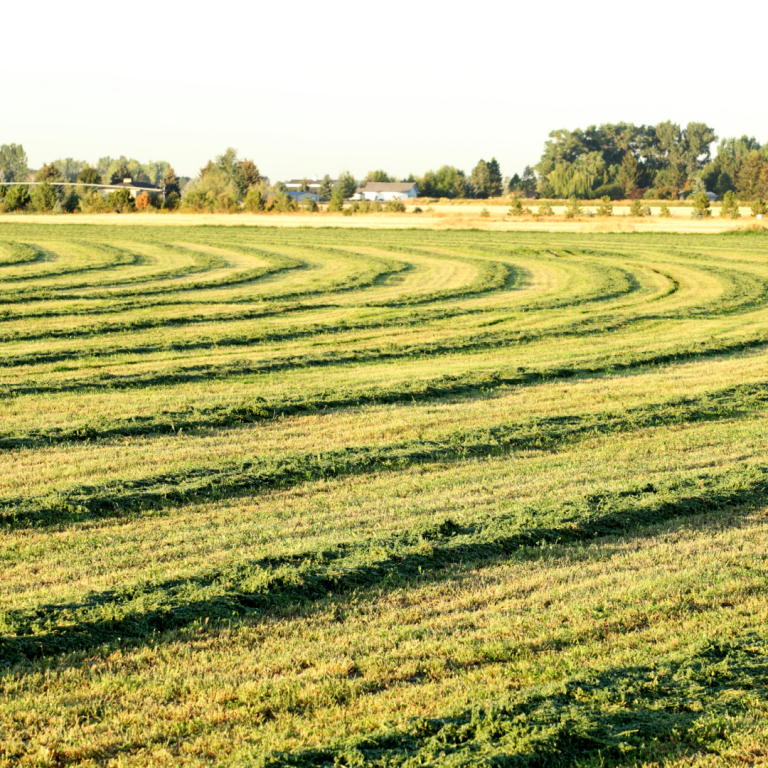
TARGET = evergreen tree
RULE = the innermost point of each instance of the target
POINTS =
(171, 182)
(514, 184)
(326, 187)
(495, 186)
(729, 206)
(120, 173)
(528, 182)
(701, 207)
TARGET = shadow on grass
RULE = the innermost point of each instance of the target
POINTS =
(682, 705)
(139, 612)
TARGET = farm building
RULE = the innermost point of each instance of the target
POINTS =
(383, 191)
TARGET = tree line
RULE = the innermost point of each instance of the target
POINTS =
(612, 160)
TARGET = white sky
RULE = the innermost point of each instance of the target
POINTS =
(309, 88)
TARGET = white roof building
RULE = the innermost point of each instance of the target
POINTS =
(386, 190)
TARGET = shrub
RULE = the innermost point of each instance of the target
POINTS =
(3, 190)
(417, 209)
(254, 201)
(309, 204)
(348, 211)
(574, 209)
(143, 201)
(337, 202)
(605, 208)
(650, 194)
(362, 207)
(93, 202)
(612, 191)
(759, 207)
(516, 208)
(172, 201)
(729, 206)
(664, 211)
(545, 209)
(120, 201)
(485, 213)
(17, 198)
(701, 209)
(395, 206)
(636, 208)
(69, 201)
(43, 198)
(283, 203)
(376, 206)
(666, 193)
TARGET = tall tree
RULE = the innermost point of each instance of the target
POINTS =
(249, 175)
(528, 182)
(13, 163)
(752, 179)
(171, 182)
(481, 180)
(49, 172)
(89, 176)
(346, 185)
(379, 175)
(495, 178)
(326, 187)
(120, 173)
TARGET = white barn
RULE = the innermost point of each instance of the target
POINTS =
(386, 190)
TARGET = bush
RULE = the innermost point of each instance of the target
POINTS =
(516, 208)
(337, 202)
(729, 206)
(283, 203)
(666, 193)
(310, 205)
(93, 202)
(638, 209)
(69, 201)
(701, 209)
(485, 213)
(612, 191)
(348, 211)
(254, 201)
(3, 190)
(574, 209)
(17, 198)
(376, 207)
(650, 194)
(172, 201)
(759, 207)
(605, 208)
(417, 209)
(120, 201)
(43, 198)
(143, 201)
(545, 209)
(362, 207)
(664, 211)
(395, 206)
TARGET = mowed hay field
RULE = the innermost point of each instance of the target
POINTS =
(293, 497)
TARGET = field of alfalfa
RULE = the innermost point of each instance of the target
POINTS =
(291, 497)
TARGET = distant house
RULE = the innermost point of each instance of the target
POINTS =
(134, 187)
(295, 185)
(386, 190)
(302, 195)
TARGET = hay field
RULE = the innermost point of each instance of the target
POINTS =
(347, 497)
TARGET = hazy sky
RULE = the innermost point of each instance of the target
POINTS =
(309, 88)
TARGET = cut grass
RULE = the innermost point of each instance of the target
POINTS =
(391, 498)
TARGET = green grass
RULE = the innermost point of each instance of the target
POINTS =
(390, 498)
